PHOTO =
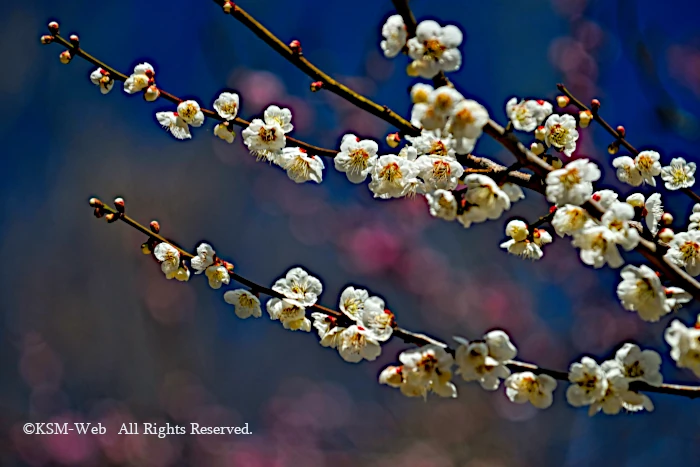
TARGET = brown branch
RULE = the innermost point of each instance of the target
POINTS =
(405, 335)
(119, 76)
(613, 132)
(296, 58)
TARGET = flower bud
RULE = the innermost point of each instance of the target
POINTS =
(53, 27)
(537, 148)
(75, 40)
(228, 5)
(152, 93)
(316, 85)
(667, 218)
(666, 235)
(540, 133)
(562, 101)
(65, 57)
(393, 139)
(119, 204)
(111, 217)
(614, 147)
(154, 226)
(584, 118)
(295, 45)
(621, 131)
(145, 248)
(595, 105)
(557, 163)
(95, 203)
(98, 212)
(46, 39)
(412, 69)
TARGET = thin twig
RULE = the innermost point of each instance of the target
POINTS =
(405, 335)
(615, 134)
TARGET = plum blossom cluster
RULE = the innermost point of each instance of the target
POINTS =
(370, 325)
(646, 165)
(265, 138)
(525, 242)
(606, 387)
(433, 49)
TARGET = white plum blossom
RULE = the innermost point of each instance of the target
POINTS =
(561, 133)
(217, 275)
(139, 79)
(648, 165)
(627, 172)
(651, 209)
(356, 157)
(684, 250)
(528, 387)
(617, 394)
(300, 166)
(245, 303)
(392, 177)
(528, 247)
(617, 218)
(172, 122)
(264, 136)
(679, 174)
(429, 143)
(485, 361)
(640, 290)
(190, 113)
(434, 49)
(439, 173)
(487, 200)
(526, 115)
(226, 105)
(467, 119)
(569, 220)
(514, 192)
(352, 302)
(420, 92)
(443, 204)
(328, 329)
(395, 35)
(281, 116)
(169, 258)
(432, 114)
(182, 274)
(598, 246)
(589, 383)
(299, 287)
(393, 376)
(685, 345)
(639, 365)
(356, 343)
(573, 183)
(475, 364)
(222, 131)
(427, 369)
(606, 198)
(102, 79)
(290, 313)
(376, 319)
(204, 259)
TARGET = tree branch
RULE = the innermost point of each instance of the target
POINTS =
(405, 335)
(119, 76)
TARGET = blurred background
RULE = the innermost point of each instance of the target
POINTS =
(91, 330)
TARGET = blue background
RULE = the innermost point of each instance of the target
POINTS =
(91, 331)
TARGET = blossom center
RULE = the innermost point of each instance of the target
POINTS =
(246, 301)
(465, 117)
(558, 135)
(391, 173)
(267, 135)
(358, 160)
(434, 48)
(570, 178)
(189, 112)
(679, 175)
(690, 251)
(644, 163)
